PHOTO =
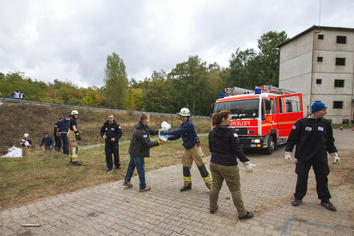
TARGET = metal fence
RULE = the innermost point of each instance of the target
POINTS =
(12, 100)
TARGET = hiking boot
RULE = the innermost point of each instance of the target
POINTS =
(76, 163)
(329, 206)
(296, 202)
(185, 188)
(108, 170)
(116, 168)
(147, 188)
(213, 211)
(127, 184)
(249, 214)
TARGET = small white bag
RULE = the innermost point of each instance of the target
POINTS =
(164, 126)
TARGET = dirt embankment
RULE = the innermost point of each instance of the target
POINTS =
(17, 119)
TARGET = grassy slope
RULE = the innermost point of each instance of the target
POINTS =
(17, 119)
(42, 174)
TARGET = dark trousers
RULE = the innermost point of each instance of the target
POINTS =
(139, 163)
(57, 143)
(320, 167)
(112, 148)
(64, 138)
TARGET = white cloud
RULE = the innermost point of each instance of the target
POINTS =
(70, 40)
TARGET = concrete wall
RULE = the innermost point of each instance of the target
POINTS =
(299, 70)
(296, 67)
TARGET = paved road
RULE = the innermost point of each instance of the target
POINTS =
(109, 209)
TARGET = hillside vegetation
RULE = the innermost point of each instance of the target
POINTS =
(17, 119)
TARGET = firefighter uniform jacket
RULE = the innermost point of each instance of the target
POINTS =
(56, 128)
(310, 137)
(187, 132)
(64, 125)
(140, 143)
(224, 146)
(111, 130)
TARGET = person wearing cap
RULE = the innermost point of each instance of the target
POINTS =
(26, 144)
(192, 150)
(56, 135)
(313, 137)
(47, 141)
(73, 136)
(111, 133)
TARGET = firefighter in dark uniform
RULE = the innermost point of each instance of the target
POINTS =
(313, 137)
(56, 135)
(73, 136)
(63, 130)
(111, 133)
(192, 150)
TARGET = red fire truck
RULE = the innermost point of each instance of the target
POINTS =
(262, 118)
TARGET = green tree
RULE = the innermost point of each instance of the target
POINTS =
(116, 82)
(269, 56)
(136, 99)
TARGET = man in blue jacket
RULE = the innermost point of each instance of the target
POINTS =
(192, 150)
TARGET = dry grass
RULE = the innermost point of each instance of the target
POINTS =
(17, 119)
(42, 174)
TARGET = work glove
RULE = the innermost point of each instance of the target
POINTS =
(249, 166)
(77, 135)
(335, 156)
(163, 132)
(160, 142)
(288, 156)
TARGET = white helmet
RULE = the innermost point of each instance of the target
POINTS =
(74, 112)
(26, 135)
(184, 112)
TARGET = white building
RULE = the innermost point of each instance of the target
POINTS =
(319, 63)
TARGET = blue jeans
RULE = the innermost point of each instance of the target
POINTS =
(139, 163)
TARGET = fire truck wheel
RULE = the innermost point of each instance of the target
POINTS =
(271, 145)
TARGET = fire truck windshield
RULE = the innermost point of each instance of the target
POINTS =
(240, 109)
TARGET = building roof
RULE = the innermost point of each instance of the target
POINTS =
(316, 27)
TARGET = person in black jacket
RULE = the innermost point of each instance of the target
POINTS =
(139, 148)
(111, 133)
(47, 142)
(56, 135)
(224, 147)
(313, 137)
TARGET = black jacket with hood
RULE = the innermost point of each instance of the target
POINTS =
(224, 146)
(140, 143)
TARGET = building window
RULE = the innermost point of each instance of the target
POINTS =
(320, 36)
(342, 39)
(320, 59)
(339, 83)
(318, 81)
(340, 61)
(337, 104)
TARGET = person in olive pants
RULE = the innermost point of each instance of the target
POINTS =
(224, 147)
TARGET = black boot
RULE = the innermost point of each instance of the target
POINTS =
(185, 188)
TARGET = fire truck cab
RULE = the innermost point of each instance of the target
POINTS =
(262, 118)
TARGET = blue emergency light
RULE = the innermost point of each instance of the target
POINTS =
(257, 91)
(222, 95)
